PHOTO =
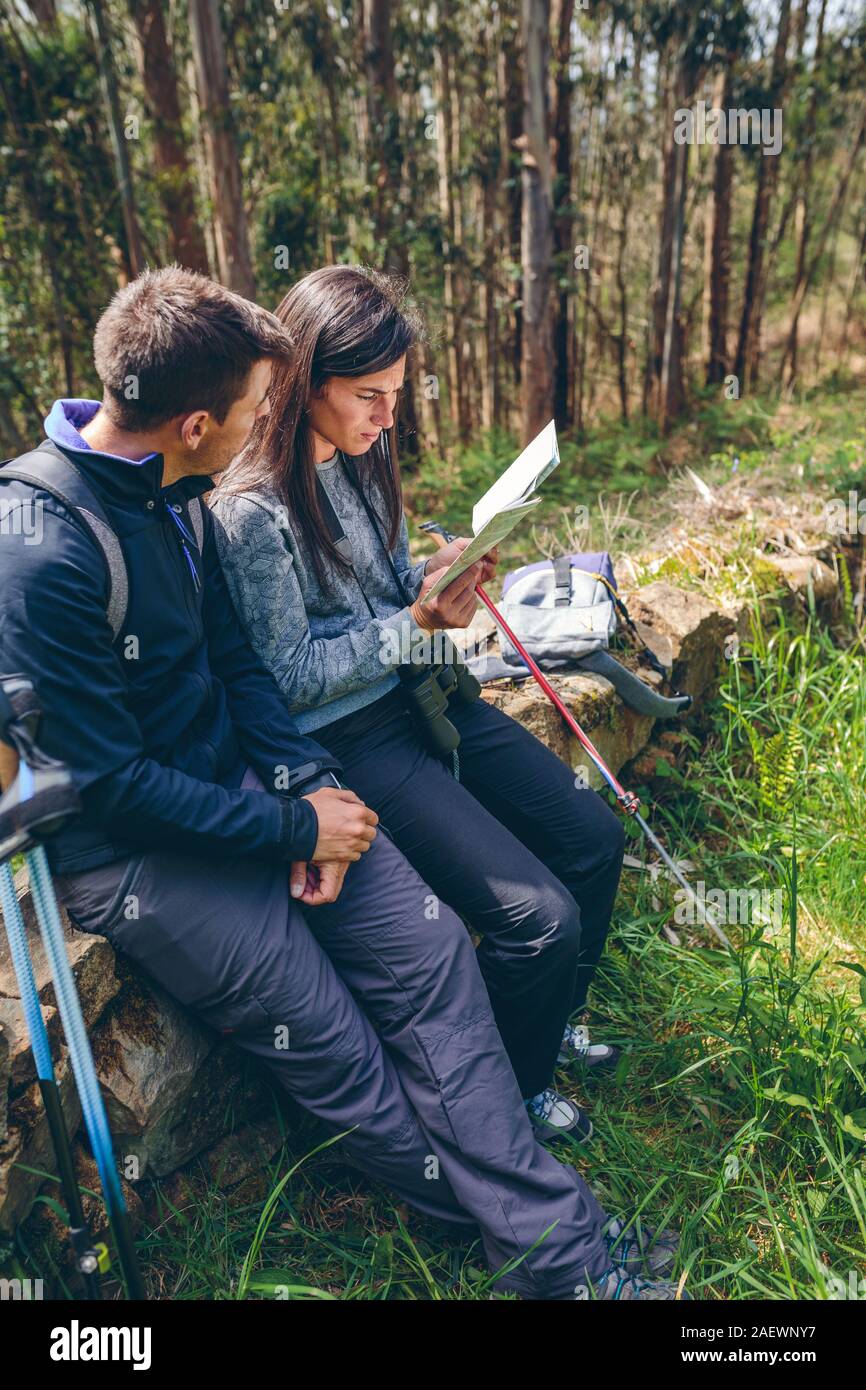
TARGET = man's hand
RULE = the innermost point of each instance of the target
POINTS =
(315, 884)
(454, 607)
(347, 827)
(453, 550)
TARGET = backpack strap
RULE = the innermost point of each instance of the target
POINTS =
(373, 518)
(333, 523)
(561, 581)
(562, 597)
(49, 469)
(195, 507)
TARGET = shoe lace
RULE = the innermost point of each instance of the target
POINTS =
(541, 1105)
(576, 1037)
(625, 1245)
(623, 1278)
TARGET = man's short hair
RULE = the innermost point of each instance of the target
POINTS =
(173, 341)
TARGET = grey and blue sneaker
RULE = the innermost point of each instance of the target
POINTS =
(641, 1251)
(552, 1116)
(576, 1047)
(618, 1285)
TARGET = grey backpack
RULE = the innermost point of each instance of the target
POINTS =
(564, 613)
(561, 609)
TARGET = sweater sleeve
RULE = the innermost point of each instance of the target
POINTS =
(259, 566)
(411, 575)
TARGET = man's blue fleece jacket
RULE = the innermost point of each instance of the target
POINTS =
(158, 726)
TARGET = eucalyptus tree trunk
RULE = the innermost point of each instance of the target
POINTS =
(445, 175)
(385, 150)
(509, 83)
(717, 246)
(563, 222)
(747, 360)
(108, 77)
(789, 357)
(159, 78)
(665, 367)
(224, 171)
(537, 363)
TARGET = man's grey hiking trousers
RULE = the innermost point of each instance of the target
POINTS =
(389, 1034)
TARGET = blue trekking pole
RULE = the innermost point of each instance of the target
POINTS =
(85, 1253)
(39, 800)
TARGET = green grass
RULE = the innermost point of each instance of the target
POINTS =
(746, 1100)
(620, 474)
(739, 1110)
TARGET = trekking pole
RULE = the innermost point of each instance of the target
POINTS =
(629, 802)
(39, 798)
(85, 1253)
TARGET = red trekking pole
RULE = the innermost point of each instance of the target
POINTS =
(629, 802)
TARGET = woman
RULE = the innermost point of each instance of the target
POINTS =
(315, 550)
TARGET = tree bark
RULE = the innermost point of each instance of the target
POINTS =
(666, 393)
(563, 223)
(789, 357)
(489, 176)
(856, 276)
(159, 78)
(836, 203)
(382, 120)
(134, 251)
(749, 341)
(717, 245)
(536, 229)
(386, 149)
(445, 172)
(510, 85)
(841, 188)
(45, 11)
(230, 223)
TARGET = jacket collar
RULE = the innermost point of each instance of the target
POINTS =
(121, 479)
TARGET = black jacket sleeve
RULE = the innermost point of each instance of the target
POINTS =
(54, 630)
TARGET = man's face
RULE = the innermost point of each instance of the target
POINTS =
(352, 411)
(212, 446)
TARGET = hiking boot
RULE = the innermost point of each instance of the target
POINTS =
(617, 1285)
(641, 1252)
(552, 1116)
(576, 1047)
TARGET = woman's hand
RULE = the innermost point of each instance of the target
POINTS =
(446, 555)
(454, 607)
(488, 564)
(453, 550)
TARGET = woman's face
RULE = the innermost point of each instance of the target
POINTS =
(351, 411)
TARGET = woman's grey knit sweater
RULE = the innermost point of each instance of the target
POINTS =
(328, 655)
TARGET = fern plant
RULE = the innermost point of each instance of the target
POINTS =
(778, 761)
(847, 592)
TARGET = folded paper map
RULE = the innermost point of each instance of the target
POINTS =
(505, 504)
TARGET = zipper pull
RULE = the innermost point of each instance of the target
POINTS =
(191, 562)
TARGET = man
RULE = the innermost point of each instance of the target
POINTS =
(201, 801)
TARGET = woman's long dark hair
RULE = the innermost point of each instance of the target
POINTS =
(345, 321)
